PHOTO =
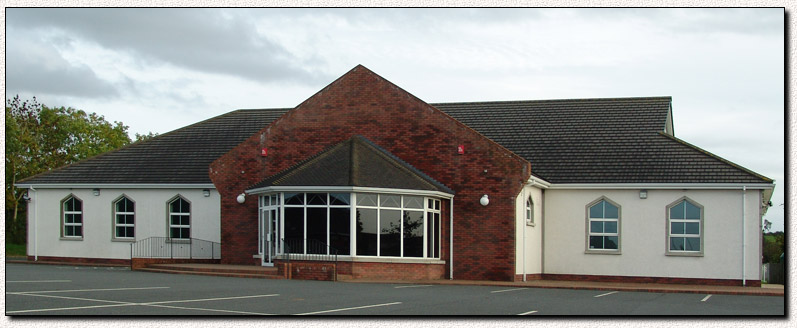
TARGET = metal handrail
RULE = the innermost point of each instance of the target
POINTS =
(173, 248)
(309, 250)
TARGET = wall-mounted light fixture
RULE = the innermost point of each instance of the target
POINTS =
(25, 197)
(241, 198)
(643, 194)
(96, 192)
(484, 200)
(206, 192)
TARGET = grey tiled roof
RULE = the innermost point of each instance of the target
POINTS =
(612, 140)
(181, 156)
(356, 162)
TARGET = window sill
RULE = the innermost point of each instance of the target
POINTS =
(123, 240)
(178, 241)
(347, 258)
(603, 252)
(686, 254)
(72, 238)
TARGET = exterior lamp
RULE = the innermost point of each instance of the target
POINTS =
(96, 192)
(206, 192)
(643, 194)
(25, 197)
(241, 198)
(484, 200)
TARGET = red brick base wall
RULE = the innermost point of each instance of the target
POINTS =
(652, 280)
(79, 260)
(312, 270)
(143, 263)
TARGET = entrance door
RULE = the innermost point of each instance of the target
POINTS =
(269, 232)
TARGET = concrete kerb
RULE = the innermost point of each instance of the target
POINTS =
(765, 290)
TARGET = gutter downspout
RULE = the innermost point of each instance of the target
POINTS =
(523, 226)
(451, 240)
(744, 233)
(35, 225)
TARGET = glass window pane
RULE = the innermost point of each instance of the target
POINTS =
(692, 244)
(610, 242)
(677, 228)
(390, 233)
(294, 229)
(78, 218)
(69, 231)
(120, 232)
(596, 226)
(390, 201)
(316, 199)
(436, 204)
(366, 199)
(692, 211)
(413, 233)
(366, 231)
(611, 212)
(677, 211)
(596, 211)
(436, 234)
(130, 232)
(175, 220)
(339, 233)
(693, 228)
(339, 199)
(676, 243)
(184, 220)
(316, 230)
(430, 242)
(294, 199)
(78, 231)
(413, 202)
(78, 205)
(596, 242)
(610, 227)
(274, 199)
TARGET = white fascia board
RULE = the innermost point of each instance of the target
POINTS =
(534, 181)
(266, 190)
(114, 186)
(662, 186)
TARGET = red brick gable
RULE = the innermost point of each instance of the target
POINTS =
(363, 103)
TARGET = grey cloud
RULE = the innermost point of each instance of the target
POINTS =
(38, 68)
(213, 41)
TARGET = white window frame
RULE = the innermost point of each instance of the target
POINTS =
(64, 213)
(617, 234)
(116, 223)
(180, 226)
(701, 227)
(530, 211)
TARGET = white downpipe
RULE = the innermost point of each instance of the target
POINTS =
(451, 240)
(744, 233)
(35, 225)
(523, 226)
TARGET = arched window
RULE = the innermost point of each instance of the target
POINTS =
(124, 226)
(179, 218)
(72, 217)
(684, 228)
(530, 211)
(603, 224)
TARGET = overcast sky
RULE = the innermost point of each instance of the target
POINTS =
(157, 70)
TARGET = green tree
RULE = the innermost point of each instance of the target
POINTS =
(40, 138)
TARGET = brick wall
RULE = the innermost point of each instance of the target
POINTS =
(138, 263)
(361, 102)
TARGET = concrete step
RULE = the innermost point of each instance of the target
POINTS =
(211, 268)
(214, 273)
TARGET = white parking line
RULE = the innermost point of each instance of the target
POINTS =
(506, 290)
(38, 281)
(153, 304)
(609, 293)
(706, 298)
(212, 310)
(83, 290)
(530, 312)
(413, 286)
(351, 308)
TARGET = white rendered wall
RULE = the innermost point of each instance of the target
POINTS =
(643, 234)
(44, 219)
(529, 253)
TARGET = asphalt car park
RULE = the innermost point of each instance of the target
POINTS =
(37, 290)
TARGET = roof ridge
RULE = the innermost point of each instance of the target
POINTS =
(737, 166)
(651, 98)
